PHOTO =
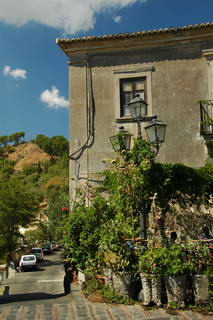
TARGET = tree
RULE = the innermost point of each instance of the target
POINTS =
(17, 207)
(58, 200)
(43, 142)
(59, 145)
(4, 140)
(56, 146)
(16, 137)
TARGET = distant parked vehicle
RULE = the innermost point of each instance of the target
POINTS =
(54, 245)
(47, 249)
(38, 252)
(27, 262)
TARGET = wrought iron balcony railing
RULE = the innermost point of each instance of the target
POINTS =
(206, 112)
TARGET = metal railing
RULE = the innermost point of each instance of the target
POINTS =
(206, 113)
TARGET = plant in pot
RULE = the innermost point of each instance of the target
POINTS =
(119, 259)
(150, 269)
(120, 272)
(200, 258)
(175, 267)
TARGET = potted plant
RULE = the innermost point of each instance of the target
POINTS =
(119, 273)
(150, 274)
(175, 267)
(198, 254)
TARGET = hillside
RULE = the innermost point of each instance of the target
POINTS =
(27, 154)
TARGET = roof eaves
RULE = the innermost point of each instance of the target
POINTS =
(63, 42)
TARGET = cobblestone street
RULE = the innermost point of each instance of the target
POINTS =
(76, 307)
(39, 295)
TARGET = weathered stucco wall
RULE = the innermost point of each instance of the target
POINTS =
(179, 79)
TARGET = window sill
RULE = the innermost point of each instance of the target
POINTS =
(131, 120)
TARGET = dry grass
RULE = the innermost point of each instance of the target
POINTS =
(27, 154)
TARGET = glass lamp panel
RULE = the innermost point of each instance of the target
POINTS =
(151, 134)
(128, 141)
(156, 131)
(143, 108)
(121, 141)
(138, 108)
(160, 132)
(115, 143)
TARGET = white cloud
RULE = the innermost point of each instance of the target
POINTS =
(53, 99)
(69, 15)
(14, 73)
(117, 19)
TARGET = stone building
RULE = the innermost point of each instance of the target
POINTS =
(171, 69)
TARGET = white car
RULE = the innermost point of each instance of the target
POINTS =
(27, 262)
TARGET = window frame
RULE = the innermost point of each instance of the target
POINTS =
(144, 72)
(133, 82)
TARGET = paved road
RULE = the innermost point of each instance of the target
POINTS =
(39, 295)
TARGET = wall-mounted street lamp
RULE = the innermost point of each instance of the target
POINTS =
(138, 110)
(155, 129)
(121, 141)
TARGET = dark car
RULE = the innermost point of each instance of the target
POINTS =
(38, 252)
(47, 249)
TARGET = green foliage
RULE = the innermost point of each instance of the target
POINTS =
(4, 140)
(6, 168)
(17, 205)
(58, 198)
(92, 285)
(176, 260)
(114, 247)
(101, 236)
(81, 233)
(112, 296)
(22, 191)
(38, 235)
(16, 137)
(56, 146)
(107, 293)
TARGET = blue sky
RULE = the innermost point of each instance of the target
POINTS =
(33, 70)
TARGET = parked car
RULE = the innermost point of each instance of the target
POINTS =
(54, 245)
(47, 249)
(38, 252)
(27, 262)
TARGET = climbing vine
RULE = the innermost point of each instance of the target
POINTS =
(102, 232)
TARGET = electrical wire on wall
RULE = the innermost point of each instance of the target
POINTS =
(90, 114)
(90, 117)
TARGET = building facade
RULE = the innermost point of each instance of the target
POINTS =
(171, 69)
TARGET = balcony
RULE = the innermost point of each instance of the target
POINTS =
(206, 112)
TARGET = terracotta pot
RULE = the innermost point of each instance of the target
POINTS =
(100, 278)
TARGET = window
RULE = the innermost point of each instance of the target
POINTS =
(128, 89)
(128, 81)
